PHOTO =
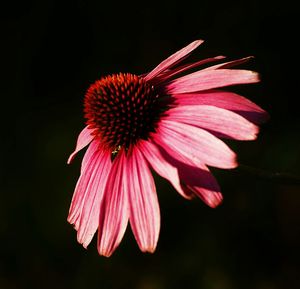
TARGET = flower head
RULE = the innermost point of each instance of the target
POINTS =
(159, 120)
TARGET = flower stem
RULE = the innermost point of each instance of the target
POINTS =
(278, 177)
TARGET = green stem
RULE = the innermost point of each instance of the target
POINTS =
(277, 177)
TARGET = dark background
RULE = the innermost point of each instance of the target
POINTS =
(51, 52)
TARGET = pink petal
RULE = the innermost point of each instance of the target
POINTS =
(219, 121)
(88, 172)
(84, 210)
(114, 211)
(209, 197)
(208, 79)
(226, 100)
(84, 138)
(173, 59)
(194, 144)
(160, 165)
(144, 208)
(230, 63)
(198, 179)
(89, 217)
(183, 68)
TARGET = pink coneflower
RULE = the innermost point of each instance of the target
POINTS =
(163, 121)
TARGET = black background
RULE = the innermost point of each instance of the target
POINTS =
(51, 52)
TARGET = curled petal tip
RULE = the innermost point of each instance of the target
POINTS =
(84, 138)
(70, 159)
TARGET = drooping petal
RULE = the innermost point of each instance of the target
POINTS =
(173, 59)
(88, 172)
(219, 121)
(84, 138)
(226, 100)
(143, 203)
(85, 205)
(195, 180)
(208, 79)
(114, 210)
(89, 216)
(160, 165)
(195, 144)
(209, 197)
(198, 180)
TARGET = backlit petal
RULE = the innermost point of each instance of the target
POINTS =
(198, 180)
(89, 216)
(88, 173)
(84, 138)
(114, 211)
(226, 100)
(184, 68)
(208, 79)
(230, 63)
(161, 166)
(173, 59)
(195, 144)
(143, 203)
(221, 122)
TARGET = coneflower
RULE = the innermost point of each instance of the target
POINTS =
(159, 120)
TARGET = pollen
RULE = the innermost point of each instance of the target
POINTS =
(122, 108)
